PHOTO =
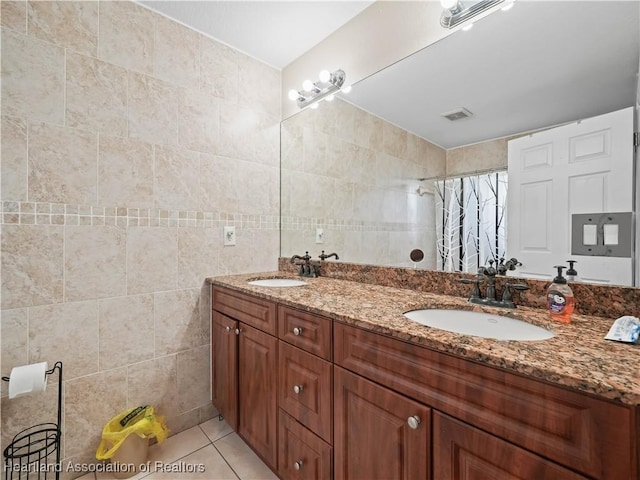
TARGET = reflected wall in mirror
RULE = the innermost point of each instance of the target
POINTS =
(353, 167)
(356, 177)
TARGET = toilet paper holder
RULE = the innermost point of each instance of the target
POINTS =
(30, 452)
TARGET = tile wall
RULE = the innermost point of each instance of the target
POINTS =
(128, 142)
(355, 176)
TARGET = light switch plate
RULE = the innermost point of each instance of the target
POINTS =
(319, 235)
(613, 234)
(229, 236)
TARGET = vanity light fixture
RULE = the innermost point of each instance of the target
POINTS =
(456, 12)
(326, 87)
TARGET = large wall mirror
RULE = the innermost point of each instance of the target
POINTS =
(360, 175)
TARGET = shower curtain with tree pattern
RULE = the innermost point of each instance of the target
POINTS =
(470, 221)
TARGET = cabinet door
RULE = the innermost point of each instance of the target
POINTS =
(373, 436)
(461, 452)
(224, 369)
(257, 372)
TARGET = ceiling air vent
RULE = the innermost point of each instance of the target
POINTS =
(457, 114)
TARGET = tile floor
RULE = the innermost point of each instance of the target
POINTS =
(209, 451)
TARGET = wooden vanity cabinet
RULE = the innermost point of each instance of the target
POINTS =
(461, 452)
(224, 368)
(590, 436)
(379, 434)
(305, 399)
(245, 368)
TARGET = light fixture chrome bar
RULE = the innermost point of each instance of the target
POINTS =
(453, 17)
(321, 89)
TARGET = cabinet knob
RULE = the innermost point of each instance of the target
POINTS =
(237, 331)
(297, 389)
(297, 331)
(297, 465)
(227, 328)
(413, 421)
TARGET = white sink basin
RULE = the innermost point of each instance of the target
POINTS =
(479, 324)
(278, 282)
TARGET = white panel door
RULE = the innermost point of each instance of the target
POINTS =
(584, 167)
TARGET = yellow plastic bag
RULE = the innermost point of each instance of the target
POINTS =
(139, 420)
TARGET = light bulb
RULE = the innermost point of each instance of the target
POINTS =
(324, 76)
(314, 105)
(329, 98)
(346, 89)
(448, 4)
(293, 94)
(307, 85)
(466, 28)
(507, 6)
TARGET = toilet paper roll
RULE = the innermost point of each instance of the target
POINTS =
(28, 379)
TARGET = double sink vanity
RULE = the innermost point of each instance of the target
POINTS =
(328, 378)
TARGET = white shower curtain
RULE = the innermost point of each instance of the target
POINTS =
(470, 221)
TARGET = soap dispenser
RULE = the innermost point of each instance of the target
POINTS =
(560, 299)
(572, 274)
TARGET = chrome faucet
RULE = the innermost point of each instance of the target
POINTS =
(307, 269)
(488, 275)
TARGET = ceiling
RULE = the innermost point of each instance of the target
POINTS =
(540, 64)
(274, 32)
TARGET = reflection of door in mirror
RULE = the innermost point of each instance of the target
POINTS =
(580, 168)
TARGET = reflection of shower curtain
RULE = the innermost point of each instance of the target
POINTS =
(470, 221)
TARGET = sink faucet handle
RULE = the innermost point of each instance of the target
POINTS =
(506, 294)
(475, 293)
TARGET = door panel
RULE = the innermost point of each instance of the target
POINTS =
(372, 437)
(584, 167)
(257, 370)
(461, 452)
(224, 368)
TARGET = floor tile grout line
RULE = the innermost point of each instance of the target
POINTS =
(226, 461)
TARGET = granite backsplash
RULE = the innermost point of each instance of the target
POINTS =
(599, 300)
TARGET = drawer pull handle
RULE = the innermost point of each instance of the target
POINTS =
(297, 389)
(413, 421)
(297, 465)
(297, 331)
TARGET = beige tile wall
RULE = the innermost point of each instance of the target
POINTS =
(355, 176)
(128, 142)
(489, 155)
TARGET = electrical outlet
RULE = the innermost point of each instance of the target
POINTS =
(229, 236)
(319, 235)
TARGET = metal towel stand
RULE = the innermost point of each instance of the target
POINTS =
(29, 453)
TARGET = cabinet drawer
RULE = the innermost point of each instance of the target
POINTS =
(461, 452)
(253, 311)
(305, 330)
(584, 433)
(302, 455)
(304, 389)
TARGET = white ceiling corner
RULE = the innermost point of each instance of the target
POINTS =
(275, 32)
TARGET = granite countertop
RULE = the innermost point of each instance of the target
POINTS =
(577, 356)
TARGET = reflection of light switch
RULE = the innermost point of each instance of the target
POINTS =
(610, 234)
(229, 236)
(589, 235)
(319, 235)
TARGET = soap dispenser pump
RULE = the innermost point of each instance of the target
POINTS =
(560, 299)
(572, 274)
